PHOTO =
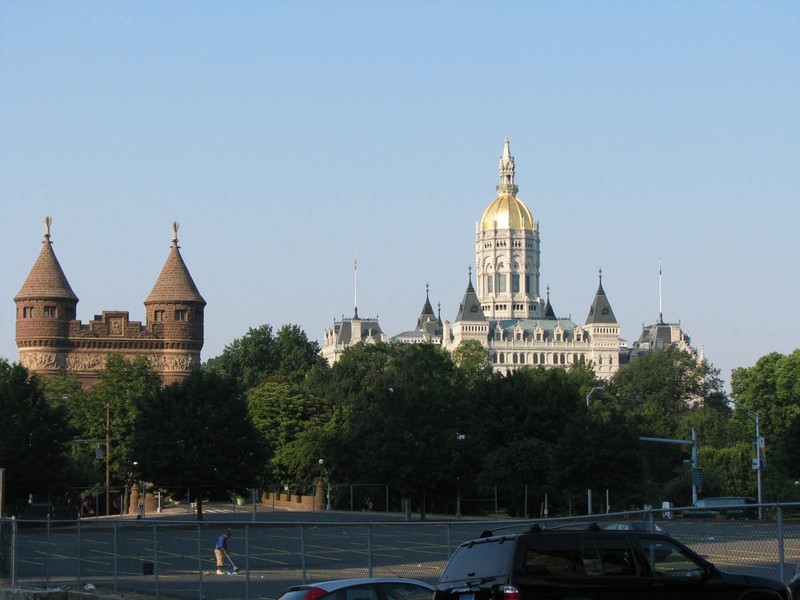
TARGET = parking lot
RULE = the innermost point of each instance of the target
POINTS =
(171, 555)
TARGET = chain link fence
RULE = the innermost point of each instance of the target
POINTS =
(171, 555)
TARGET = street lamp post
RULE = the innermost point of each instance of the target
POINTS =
(758, 465)
(599, 388)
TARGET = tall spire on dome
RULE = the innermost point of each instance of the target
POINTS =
(507, 187)
(46, 279)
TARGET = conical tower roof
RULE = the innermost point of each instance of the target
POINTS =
(427, 315)
(549, 312)
(600, 311)
(174, 284)
(46, 279)
(470, 308)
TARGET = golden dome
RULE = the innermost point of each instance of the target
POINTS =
(507, 212)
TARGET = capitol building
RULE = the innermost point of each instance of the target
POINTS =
(504, 308)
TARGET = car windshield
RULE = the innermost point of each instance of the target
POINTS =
(489, 558)
(406, 591)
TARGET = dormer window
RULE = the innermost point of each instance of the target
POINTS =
(181, 314)
(27, 312)
(49, 312)
(158, 315)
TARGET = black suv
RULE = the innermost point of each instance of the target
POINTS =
(595, 564)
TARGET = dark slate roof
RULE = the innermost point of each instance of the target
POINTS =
(46, 279)
(174, 284)
(470, 308)
(600, 311)
(549, 313)
(369, 326)
(427, 314)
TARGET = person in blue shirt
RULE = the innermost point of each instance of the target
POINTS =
(221, 549)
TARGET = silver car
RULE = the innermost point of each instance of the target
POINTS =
(372, 588)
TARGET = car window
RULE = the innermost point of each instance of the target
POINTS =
(552, 557)
(669, 560)
(294, 594)
(362, 592)
(405, 591)
(607, 557)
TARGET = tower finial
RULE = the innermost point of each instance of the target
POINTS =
(48, 220)
(506, 187)
(175, 226)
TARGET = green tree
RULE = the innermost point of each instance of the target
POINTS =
(473, 361)
(395, 411)
(248, 359)
(259, 355)
(35, 438)
(663, 393)
(771, 389)
(282, 412)
(122, 385)
(529, 409)
(198, 435)
(296, 354)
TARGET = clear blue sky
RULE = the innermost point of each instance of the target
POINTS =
(288, 136)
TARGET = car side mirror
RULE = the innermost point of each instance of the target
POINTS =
(710, 571)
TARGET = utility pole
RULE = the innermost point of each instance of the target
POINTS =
(108, 457)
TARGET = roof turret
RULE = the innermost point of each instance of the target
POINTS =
(600, 311)
(549, 313)
(174, 284)
(470, 307)
(46, 279)
(427, 315)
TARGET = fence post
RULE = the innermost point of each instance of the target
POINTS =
(781, 556)
(246, 561)
(13, 550)
(369, 550)
(199, 563)
(47, 553)
(449, 542)
(116, 555)
(303, 552)
(78, 551)
(155, 556)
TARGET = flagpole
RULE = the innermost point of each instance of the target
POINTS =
(660, 313)
(355, 280)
